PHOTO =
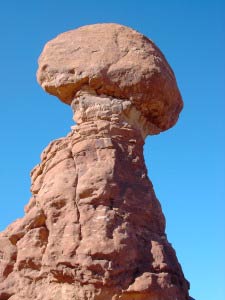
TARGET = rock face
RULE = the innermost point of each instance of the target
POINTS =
(94, 229)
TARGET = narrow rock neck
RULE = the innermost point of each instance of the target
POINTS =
(111, 121)
(90, 107)
(109, 141)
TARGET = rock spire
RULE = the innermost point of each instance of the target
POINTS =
(93, 228)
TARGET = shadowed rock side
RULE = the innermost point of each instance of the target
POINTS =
(93, 228)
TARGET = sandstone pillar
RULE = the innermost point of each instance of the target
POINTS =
(94, 229)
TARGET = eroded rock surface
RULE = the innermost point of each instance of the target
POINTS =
(93, 228)
(113, 60)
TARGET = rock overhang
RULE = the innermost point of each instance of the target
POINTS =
(113, 60)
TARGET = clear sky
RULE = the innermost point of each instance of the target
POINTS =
(186, 164)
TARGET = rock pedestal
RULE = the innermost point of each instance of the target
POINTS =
(93, 229)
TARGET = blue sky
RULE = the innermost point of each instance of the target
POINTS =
(186, 164)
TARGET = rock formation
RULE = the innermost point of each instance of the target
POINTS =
(94, 229)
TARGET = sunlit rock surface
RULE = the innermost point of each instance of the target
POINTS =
(93, 228)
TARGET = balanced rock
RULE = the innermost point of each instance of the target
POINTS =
(94, 229)
(116, 61)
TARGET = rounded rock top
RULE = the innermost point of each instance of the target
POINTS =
(113, 60)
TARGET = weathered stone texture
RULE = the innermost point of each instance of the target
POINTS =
(113, 60)
(93, 229)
